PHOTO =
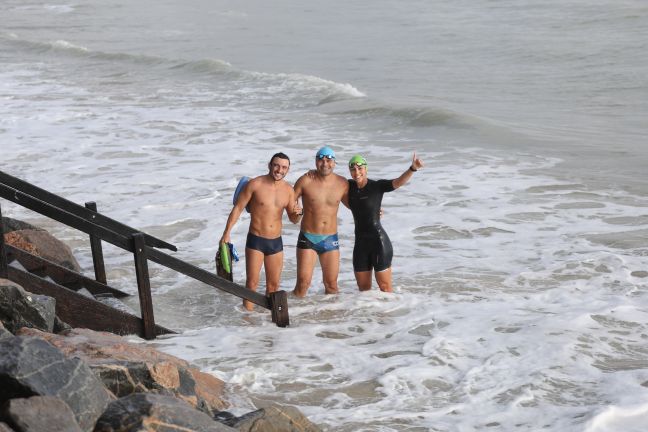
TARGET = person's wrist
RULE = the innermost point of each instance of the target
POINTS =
(411, 168)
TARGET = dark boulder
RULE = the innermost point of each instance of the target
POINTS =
(40, 414)
(31, 366)
(19, 308)
(274, 419)
(10, 224)
(4, 333)
(42, 244)
(60, 326)
(127, 368)
(153, 412)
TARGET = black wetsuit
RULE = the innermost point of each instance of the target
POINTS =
(373, 249)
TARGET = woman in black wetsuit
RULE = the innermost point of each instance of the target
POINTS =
(372, 249)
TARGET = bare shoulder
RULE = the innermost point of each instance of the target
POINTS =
(255, 182)
(285, 186)
(303, 180)
(343, 181)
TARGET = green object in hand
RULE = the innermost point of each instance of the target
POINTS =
(226, 261)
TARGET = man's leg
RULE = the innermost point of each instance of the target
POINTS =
(253, 263)
(384, 279)
(306, 259)
(330, 262)
(273, 266)
(363, 279)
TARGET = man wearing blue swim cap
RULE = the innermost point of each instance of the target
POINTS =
(267, 197)
(321, 194)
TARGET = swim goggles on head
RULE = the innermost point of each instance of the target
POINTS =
(325, 152)
(358, 161)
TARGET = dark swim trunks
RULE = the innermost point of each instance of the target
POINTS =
(267, 246)
(372, 249)
(320, 243)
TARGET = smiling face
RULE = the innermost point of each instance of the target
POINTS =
(278, 168)
(325, 166)
(358, 172)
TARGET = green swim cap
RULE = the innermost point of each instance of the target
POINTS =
(357, 160)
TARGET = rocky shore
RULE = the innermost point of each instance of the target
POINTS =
(57, 378)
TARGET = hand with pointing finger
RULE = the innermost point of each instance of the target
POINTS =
(416, 163)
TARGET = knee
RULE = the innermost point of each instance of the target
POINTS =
(385, 286)
(251, 282)
(272, 287)
(330, 287)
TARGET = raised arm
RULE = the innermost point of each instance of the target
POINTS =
(404, 178)
(243, 200)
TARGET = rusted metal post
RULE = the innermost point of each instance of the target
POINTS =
(97, 251)
(279, 308)
(3, 251)
(143, 285)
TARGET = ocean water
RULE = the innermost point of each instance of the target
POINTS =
(521, 249)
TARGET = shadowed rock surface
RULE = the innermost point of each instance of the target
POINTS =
(11, 224)
(274, 419)
(152, 412)
(19, 308)
(42, 244)
(31, 366)
(127, 368)
(4, 333)
(40, 414)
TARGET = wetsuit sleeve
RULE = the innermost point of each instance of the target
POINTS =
(386, 185)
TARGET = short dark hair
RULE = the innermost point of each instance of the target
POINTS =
(280, 155)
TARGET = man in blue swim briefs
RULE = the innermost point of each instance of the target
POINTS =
(266, 197)
(321, 195)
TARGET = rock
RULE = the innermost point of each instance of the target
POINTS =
(10, 224)
(40, 414)
(95, 347)
(4, 333)
(209, 391)
(60, 326)
(225, 417)
(31, 366)
(42, 244)
(19, 308)
(274, 419)
(152, 412)
(5, 428)
(127, 368)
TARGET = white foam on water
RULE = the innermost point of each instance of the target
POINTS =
(520, 295)
(628, 419)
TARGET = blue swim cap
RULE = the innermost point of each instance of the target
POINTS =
(325, 152)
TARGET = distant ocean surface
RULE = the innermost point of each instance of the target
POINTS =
(521, 249)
